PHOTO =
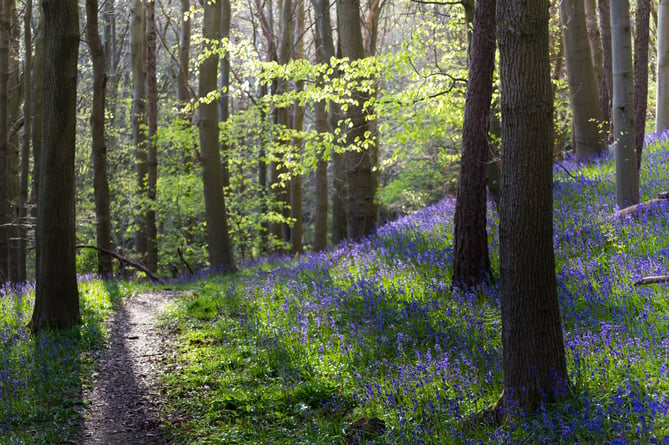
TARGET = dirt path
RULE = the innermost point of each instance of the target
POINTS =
(124, 401)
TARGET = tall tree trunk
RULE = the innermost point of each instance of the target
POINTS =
(297, 123)
(56, 294)
(224, 100)
(183, 91)
(606, 89)
(138, 56)
(533, 349)
(594, 39)
(37, 86)
(471, 261)
(99, 148)
(27, 134)
(582, 87)
(152, 143)
(361, 213)
(627, 174)
(6, 220)
(218, 239)
(662, 116)
(15, 94)
(321, 210)
(326, 53)
(641, 37)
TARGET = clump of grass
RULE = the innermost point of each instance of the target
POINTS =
(41, 376)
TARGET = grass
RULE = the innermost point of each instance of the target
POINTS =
(292, 352)
(41, 377)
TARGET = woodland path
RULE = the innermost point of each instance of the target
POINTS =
(124, 401)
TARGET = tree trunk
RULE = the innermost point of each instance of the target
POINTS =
(321, 211)
(183, 91)
(224, 100)
(662, 117)
(6, 220)
(138, 56)
(27, 133)
(152, 144)
(37, 86)
(218, 239)
(533, 349)
(471, 261)
(361, 213)
(588, 141)
(595, 40)
(56, 294)
(297, 118)
(606, 89)
(99, 148)
(627, 174)
(642, 26)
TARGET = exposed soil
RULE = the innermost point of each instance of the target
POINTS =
(124, 401)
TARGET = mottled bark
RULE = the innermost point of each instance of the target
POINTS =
(471, 260)
(297, 123)
(587, 116)
(606, 89)
(99, 147)
(533, 350)
(662, 116)
(183, 91)
(6, 220)
(627, 174)
(56, 293)
(594, 39)
(27, 135)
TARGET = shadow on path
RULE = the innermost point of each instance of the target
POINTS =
(124, 401)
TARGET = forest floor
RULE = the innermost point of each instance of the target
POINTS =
(123, 403)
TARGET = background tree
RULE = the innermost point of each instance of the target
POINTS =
(588, 140)
(627, 174)
(151, 142)
(361, 212)
(6, 220)
(662, 115)
(56, 294)
(641, 36)
(606, 89)
(99, 147)
(219, 246)
(533, 349)
(471, 261)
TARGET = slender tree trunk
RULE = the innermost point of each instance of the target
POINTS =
(641, 37)
(594, 39)
(15, 93)
(56, 293)
(627, 174)
(183, 91)
(224, 101)
(99, 148)
(606, 90)
(662, 116)
(6, 220)
(297, 123)
(152, 144)
(218, 239)
(37, 86)
(533, 349)
(471, 261)
(27, 133)
(138, 55)
(582, 87)
(361, 212)
(321, 211)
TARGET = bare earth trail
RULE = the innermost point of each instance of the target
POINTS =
(124, 402)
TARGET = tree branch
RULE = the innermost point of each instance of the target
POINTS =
(123, 259)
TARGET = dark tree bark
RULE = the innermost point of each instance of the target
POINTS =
(27, 134)
(152, 148)
(56, 294)
(6, 220)
(361, 212)
(606, 90)
(99, 147)
(138, 56)
(533, 349)
(218, 239)
(642, 26)
(224, 101)
(471, 261)
(297, 123)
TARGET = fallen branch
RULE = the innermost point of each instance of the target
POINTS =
(652, 280)
(123, 259)
(637, 209)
